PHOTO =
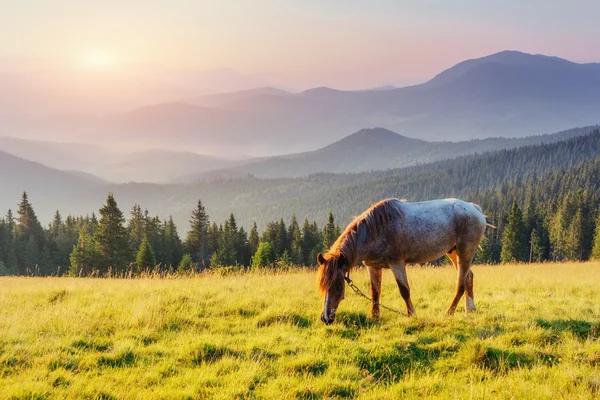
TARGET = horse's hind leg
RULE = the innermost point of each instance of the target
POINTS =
(469, 297)
(375, 275)
(463, 270)
(399, 271)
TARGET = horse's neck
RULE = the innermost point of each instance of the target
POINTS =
(362, 242)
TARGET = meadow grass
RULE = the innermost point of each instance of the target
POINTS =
(258, 335)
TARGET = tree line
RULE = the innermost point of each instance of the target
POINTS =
(110, 244)
(542, 199)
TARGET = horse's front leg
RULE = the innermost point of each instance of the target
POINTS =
(399, 271)
(375, 275)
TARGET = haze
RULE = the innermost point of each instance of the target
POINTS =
(295, 45)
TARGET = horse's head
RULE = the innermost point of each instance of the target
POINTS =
(331, 282)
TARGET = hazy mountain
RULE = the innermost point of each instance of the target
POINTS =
(59, 155)
(381, 149)
(52, 188)
(504, 94)
(161, 166)
(101, 164)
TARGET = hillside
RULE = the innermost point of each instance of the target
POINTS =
(262, 200)
(56, 188)
(381, 149)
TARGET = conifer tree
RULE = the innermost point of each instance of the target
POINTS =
(264, 256)
(84, 257)
(112, 239)
(145, 257)
(330, 232)
(253, 239)
(196, 240)
(186, 264)
(513, 240)
(136, 227)
(536, 249)
(172, 244)
(596, 247)
(295, 242)
(574, 241)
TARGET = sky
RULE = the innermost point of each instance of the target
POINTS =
(293, 44)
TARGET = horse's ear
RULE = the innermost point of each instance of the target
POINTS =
(320, 259)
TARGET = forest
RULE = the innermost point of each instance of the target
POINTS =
(543, 201)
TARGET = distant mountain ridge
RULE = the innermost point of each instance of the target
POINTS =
(507, 94)
(382, 149)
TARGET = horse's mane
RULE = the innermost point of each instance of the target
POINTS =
(374, 220)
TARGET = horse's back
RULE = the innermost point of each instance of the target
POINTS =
(431, 228)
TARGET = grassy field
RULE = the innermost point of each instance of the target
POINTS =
(536, 335)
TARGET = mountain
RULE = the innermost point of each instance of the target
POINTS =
(505, 94)
(52, 188)
(381, 149)
(161, 166)
(103, 164)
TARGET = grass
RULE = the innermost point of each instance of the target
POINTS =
(259, 336)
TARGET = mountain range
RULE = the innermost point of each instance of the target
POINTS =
(504, 94)
(260, 200)
(365, 150)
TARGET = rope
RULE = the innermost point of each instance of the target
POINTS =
(360, 293)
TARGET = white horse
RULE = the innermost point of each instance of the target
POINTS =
(393, 233)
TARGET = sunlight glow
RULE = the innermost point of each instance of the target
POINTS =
(98, 60)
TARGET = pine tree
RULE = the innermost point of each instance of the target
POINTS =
(213, 240)
(196, 240)
(136, 227)
(536, 248)
(295, 242)
(513, 240)
(264, 255)
(29, 238)
(112, 239)
(574, 240)
(186, 264)
(330, 232)
(84, 257)
(173, 248)
(253, 239)
(596, 247)
(145, 257)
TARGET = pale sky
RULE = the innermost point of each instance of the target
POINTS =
(299, 44)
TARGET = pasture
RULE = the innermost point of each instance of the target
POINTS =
(258, 335)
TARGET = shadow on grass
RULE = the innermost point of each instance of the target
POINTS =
(392, 364)
(579, 328)
(355, 320)
(209, 353)
(292, 319)
(121, 360)
(91, 345)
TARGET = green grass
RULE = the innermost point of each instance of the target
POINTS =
(259, 336)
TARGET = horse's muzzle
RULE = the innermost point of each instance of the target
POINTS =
(327, 321)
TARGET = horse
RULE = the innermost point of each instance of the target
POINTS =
(393, 233)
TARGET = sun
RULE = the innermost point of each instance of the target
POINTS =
(98, 59)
